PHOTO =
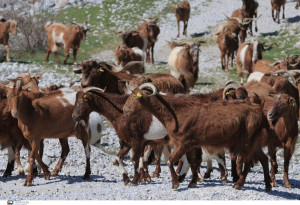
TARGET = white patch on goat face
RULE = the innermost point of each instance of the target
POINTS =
(156, 130)
(145, 43)
(172, 61)
(121, 166)
(57, 40)
(94, 122)
(68, 98)
(11, 154)
(185, 166)
(140, 52)
(243, 54)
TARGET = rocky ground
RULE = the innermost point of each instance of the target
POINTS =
(106, 182)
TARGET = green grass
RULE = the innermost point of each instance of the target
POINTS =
(286, 38)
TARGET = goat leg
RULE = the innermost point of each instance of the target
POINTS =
(208, 169)
(263, 159)
(137, 154)
(178, 25)
(87, 150)
(190, 158)
(10, 163)
(48, 53)
(157, 154)
(287, 156)
(234, 174)
(7, 53)
(175, 156)
(274, 167)
(64, 153)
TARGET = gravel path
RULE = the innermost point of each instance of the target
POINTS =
(106, 182)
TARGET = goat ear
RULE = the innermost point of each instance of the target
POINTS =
(77, 28)
(292, 101)
(78, 71)
(38, 76)
(7, 24)
(135, 32)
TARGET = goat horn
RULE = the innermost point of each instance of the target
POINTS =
(226, 16)
(273, 64)
(238, 19)
(39, 75)
(231, 85)
(140, 18)
(294, 65)
(270, 46)
(294, 56)
(154, 88)
(85, 90)
(294, 72)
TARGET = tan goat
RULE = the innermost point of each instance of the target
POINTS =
(7, 27)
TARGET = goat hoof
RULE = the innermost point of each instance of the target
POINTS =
(133, 184)
(181, 178)
(206, 175)
(86, 177)
(54, 173)
(21, 173)
(175, 185)
(125, 179)
(143, 180)
(116, 163)
(155, 175)
(6, 174)
(274, 184)
(130, 176)
(200, 180)
(224, 181)
(287, 185)
(268, 188)
(148, 179)
(237, 186)
(192, 185)
(28, 182)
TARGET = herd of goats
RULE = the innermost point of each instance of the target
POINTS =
(154, 113)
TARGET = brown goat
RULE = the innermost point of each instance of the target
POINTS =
(183, 62)
(248, 54)
(101, 76)
(241, 136)
(49, 115)
(124, 55)
(297, 4)
(182, 12)
(68, 36)
(251, 7)
(281, 112)
(228, 44)
(133, 132)
(276, 5)
(241, 14)
(6, 27)
(144, 37)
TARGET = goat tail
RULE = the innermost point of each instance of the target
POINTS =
(47, 25)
